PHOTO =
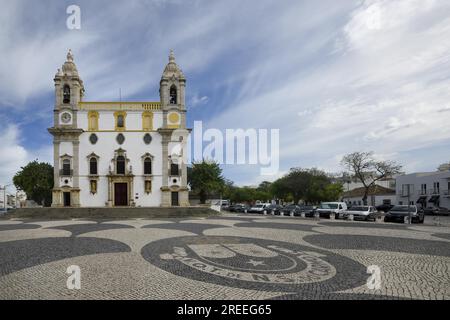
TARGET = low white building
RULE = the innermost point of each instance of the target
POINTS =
(350, 184)
(426, 189)
(377, 195)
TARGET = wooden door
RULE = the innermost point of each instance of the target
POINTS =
(121, 194)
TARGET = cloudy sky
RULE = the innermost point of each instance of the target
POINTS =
(333, 76)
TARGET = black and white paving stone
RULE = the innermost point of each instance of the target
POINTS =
(223, 257)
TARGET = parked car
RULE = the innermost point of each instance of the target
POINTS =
(436, 211)
(287, 210)
(242, 208)
(385, 207)
(398, 213)
(224, 204)
(234, 207)
(275, 208)
(327, 208)
(362, 212)
(307, 210)
(259, 208)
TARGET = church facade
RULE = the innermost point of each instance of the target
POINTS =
(119, 154)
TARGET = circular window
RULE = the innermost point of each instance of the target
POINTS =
(120, 138)
(174, 181)
(93, 138)
(147, 138)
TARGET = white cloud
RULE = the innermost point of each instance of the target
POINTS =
(196, 100)
(13, 154)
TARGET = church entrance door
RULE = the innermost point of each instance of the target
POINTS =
(120, 194)
(175, 202)
(66, 196)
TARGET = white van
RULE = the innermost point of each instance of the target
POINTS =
(326, 208)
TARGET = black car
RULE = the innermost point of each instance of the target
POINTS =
(238, 208)
(398, 213)
(436, 211)
(291, 208)
(384, 207)
(275, 209)
(309, 211)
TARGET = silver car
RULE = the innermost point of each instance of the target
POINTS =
(362, 212)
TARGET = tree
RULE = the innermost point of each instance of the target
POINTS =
(332, 192)
(265, 186)
(301, 184)
(206, 178)
(36, 180)
(366, 169)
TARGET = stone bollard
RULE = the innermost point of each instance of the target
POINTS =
(281, 214)
(332, 216)
(379, 218)
(292, 213)
(316, 216)
(406, 220)
(351, 217)
(436, 221)
(265, 212)
(303, 215)
(245, 210)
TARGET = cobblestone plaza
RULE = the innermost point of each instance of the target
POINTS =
(223, 257)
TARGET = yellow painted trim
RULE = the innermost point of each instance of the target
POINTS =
(173, 126)
(92, 114)
(145, 115)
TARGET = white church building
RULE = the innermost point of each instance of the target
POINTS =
(119, 154)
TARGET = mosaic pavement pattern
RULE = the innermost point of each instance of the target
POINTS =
(227, 257)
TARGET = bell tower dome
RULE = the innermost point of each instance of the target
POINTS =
(172, 95)
(69, 91)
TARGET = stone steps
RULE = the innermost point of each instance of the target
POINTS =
(109, 213)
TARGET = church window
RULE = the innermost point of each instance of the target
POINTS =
(174, 170)
(120, 138)
(66, 168)
(93, 168)
(120, 165)
(148, 166)
(173, 95)
(66, 94)
(120, 121)
(120, 117)
(147, 138)
(93, 138)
